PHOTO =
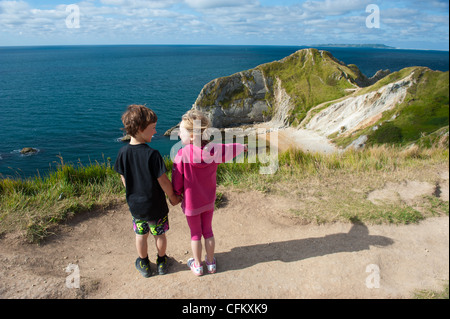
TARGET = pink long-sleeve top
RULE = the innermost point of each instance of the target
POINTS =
(194, 174)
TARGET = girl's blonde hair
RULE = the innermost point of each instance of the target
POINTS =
(195, 119)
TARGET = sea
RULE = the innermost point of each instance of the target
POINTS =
(67, 101)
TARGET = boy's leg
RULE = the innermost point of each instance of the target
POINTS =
(142, 263)
(161, 261)
(158, 230)
(142, 246)
(141, 238)
(161, 244)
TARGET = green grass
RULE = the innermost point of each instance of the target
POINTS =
(34, 206)
(329, 187)
(311, 79)
(308, 76)
(431, 294)
(424, 111)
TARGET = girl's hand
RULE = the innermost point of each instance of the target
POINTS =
(175, 200)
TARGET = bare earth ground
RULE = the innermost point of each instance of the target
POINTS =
(262, 252)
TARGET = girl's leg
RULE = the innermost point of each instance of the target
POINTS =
(195, 226)
(210, 243)
(196, 246)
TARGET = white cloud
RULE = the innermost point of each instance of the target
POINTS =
(155, 4)
(207, 4)
(225, 21)
(13, 12)
(335, 7)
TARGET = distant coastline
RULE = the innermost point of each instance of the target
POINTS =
(169, 88)
(372, 46)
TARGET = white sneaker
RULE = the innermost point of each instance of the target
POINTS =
(197, 270)
(212, 268)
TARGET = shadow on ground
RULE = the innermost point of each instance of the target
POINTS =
(357, 239)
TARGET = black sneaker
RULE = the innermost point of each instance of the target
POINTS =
(161, 264)
(143, 267)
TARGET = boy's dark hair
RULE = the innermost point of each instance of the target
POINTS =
(136, 118)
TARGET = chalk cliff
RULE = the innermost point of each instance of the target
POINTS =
(311, 89)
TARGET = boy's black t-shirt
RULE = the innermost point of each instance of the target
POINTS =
(142, 166)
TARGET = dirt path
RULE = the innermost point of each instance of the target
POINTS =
(262, 252)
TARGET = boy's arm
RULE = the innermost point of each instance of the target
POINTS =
(177, 178)
(123, 180)
(166, 185)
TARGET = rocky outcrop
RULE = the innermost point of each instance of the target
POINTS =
(282, 91)
(235, 100)
(312, 90)
(28, 151)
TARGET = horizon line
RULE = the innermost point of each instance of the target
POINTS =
(329, 45)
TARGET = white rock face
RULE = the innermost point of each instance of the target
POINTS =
(354, 112)
(249, 109)
(282, 106)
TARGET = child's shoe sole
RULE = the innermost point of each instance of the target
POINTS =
(212, 268)
(198, 271)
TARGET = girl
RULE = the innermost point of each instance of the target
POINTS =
(194, 176)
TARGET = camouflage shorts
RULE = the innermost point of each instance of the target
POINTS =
(142, 227)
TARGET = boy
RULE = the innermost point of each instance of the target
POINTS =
(142, 170)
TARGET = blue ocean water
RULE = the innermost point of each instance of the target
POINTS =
(67, 100)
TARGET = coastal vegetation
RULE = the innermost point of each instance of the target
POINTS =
(328, 188)
(312, 89)
(423, 112)
(311, 77)
(407, 140)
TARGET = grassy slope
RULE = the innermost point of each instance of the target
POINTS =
(311, 78)
(34, 206)
(328, 188)
(308, 76)
(424, 111)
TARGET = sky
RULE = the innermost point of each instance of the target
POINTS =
(406, 24)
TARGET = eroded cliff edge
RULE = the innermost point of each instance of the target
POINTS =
(312, 90)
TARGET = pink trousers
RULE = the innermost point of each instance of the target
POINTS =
(201, 225)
